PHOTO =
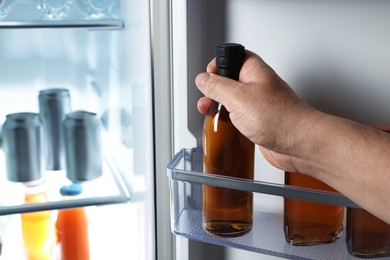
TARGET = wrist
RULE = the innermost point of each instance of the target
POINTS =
(305, 138)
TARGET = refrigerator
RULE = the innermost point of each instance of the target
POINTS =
(100, 52)
(133, 63)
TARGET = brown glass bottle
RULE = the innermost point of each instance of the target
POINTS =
(366, 235)
(310, 223)
(227, 152)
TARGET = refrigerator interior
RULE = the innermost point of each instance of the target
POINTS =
(105, 63)
(334, 54)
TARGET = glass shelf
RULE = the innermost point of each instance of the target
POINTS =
(267, 236)
(109, 24)
(110, 188)
(27, 14)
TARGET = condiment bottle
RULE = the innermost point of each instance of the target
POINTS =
(366, 235)
(307, 222)
(227, 212)
(72, 228)
(37, 227)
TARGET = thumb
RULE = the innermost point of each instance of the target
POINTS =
(217, 88)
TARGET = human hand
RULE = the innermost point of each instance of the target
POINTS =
(298, 138)
(261, 106)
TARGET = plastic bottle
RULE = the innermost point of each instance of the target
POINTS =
(37, 227)
(6, 7)
(54, 9)
(96, 9)
(227, 152)
(307, 222)
(366, 235)
(72, 228)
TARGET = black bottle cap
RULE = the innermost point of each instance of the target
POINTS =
(229, 59)
(230, 55)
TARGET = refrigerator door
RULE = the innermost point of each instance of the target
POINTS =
(333, 54)
(164, 132)
(101, 53)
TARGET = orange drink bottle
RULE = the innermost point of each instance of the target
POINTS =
(72, 228)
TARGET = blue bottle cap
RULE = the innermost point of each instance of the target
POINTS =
(71, 190)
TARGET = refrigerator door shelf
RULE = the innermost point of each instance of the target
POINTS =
(267, 236)
(187, 165)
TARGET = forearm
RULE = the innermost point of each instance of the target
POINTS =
(352, 158)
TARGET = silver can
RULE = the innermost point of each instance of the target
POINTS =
(82, 131)
(22, 145)
(54, 104)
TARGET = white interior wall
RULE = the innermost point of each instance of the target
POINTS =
(334, 54)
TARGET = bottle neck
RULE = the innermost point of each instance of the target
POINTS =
(232, 73)
(34, 187)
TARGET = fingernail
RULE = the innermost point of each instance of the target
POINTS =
(201, 79)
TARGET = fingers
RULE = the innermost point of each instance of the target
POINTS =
(212, 67)
(219, 88)
(215, 87)
(250, 57)
(204, 105)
